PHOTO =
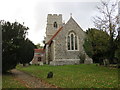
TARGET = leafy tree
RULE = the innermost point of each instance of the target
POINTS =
(96, 45)
(39, 46)
(88, 46)
(13, 39)
(0, 49)
(26, 51)
(117, 52)
(107, 21)
(44, 40)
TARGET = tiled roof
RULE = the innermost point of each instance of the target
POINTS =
(39, 50)
(54, 35)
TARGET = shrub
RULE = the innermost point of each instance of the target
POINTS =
(82, 57)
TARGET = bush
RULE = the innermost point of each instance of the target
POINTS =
(88, 47)
(82, 57)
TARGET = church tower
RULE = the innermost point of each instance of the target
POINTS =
(54, 22)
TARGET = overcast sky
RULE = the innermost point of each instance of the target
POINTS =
(34, 13)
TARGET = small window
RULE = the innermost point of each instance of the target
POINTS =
(39, 59)
(55, 24)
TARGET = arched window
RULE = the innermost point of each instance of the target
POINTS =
(55, 25)
(72, 41)
(68, 42)
(76, 46)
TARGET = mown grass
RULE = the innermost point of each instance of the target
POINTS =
(76, 76)
(8, 81)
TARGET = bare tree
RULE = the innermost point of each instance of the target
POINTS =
(107, 21)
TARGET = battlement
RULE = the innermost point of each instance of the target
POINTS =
(54, 15)
(51, 18)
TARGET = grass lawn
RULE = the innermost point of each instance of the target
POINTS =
(8, 81)
(76, 76)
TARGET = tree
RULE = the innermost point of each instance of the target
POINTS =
(117, 52)
(26, 51)
(96, 45)
(108, 18)
(14, 38)
(0, 48)
(39, 46)
(107, 21)
(88, 46)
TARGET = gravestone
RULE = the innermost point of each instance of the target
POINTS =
(50, 75)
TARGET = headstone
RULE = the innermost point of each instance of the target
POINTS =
(50, 75)
(106, 62)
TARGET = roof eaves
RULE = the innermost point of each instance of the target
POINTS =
(54, 35)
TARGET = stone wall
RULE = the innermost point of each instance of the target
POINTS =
(62, 55)
(65, 62)
(50, 29)
(51, 52)
(61, 41)
(58, 53)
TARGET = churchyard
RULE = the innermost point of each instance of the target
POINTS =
(66, 46)
(76, 76)
(8, 81)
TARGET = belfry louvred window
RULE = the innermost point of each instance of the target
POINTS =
(55, 25)
(72, 41)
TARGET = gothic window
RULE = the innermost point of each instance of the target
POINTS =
(76, 43)
(55, 24)
(68, 42)
(72, 41)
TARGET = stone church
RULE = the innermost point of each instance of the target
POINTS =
(64, 41)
